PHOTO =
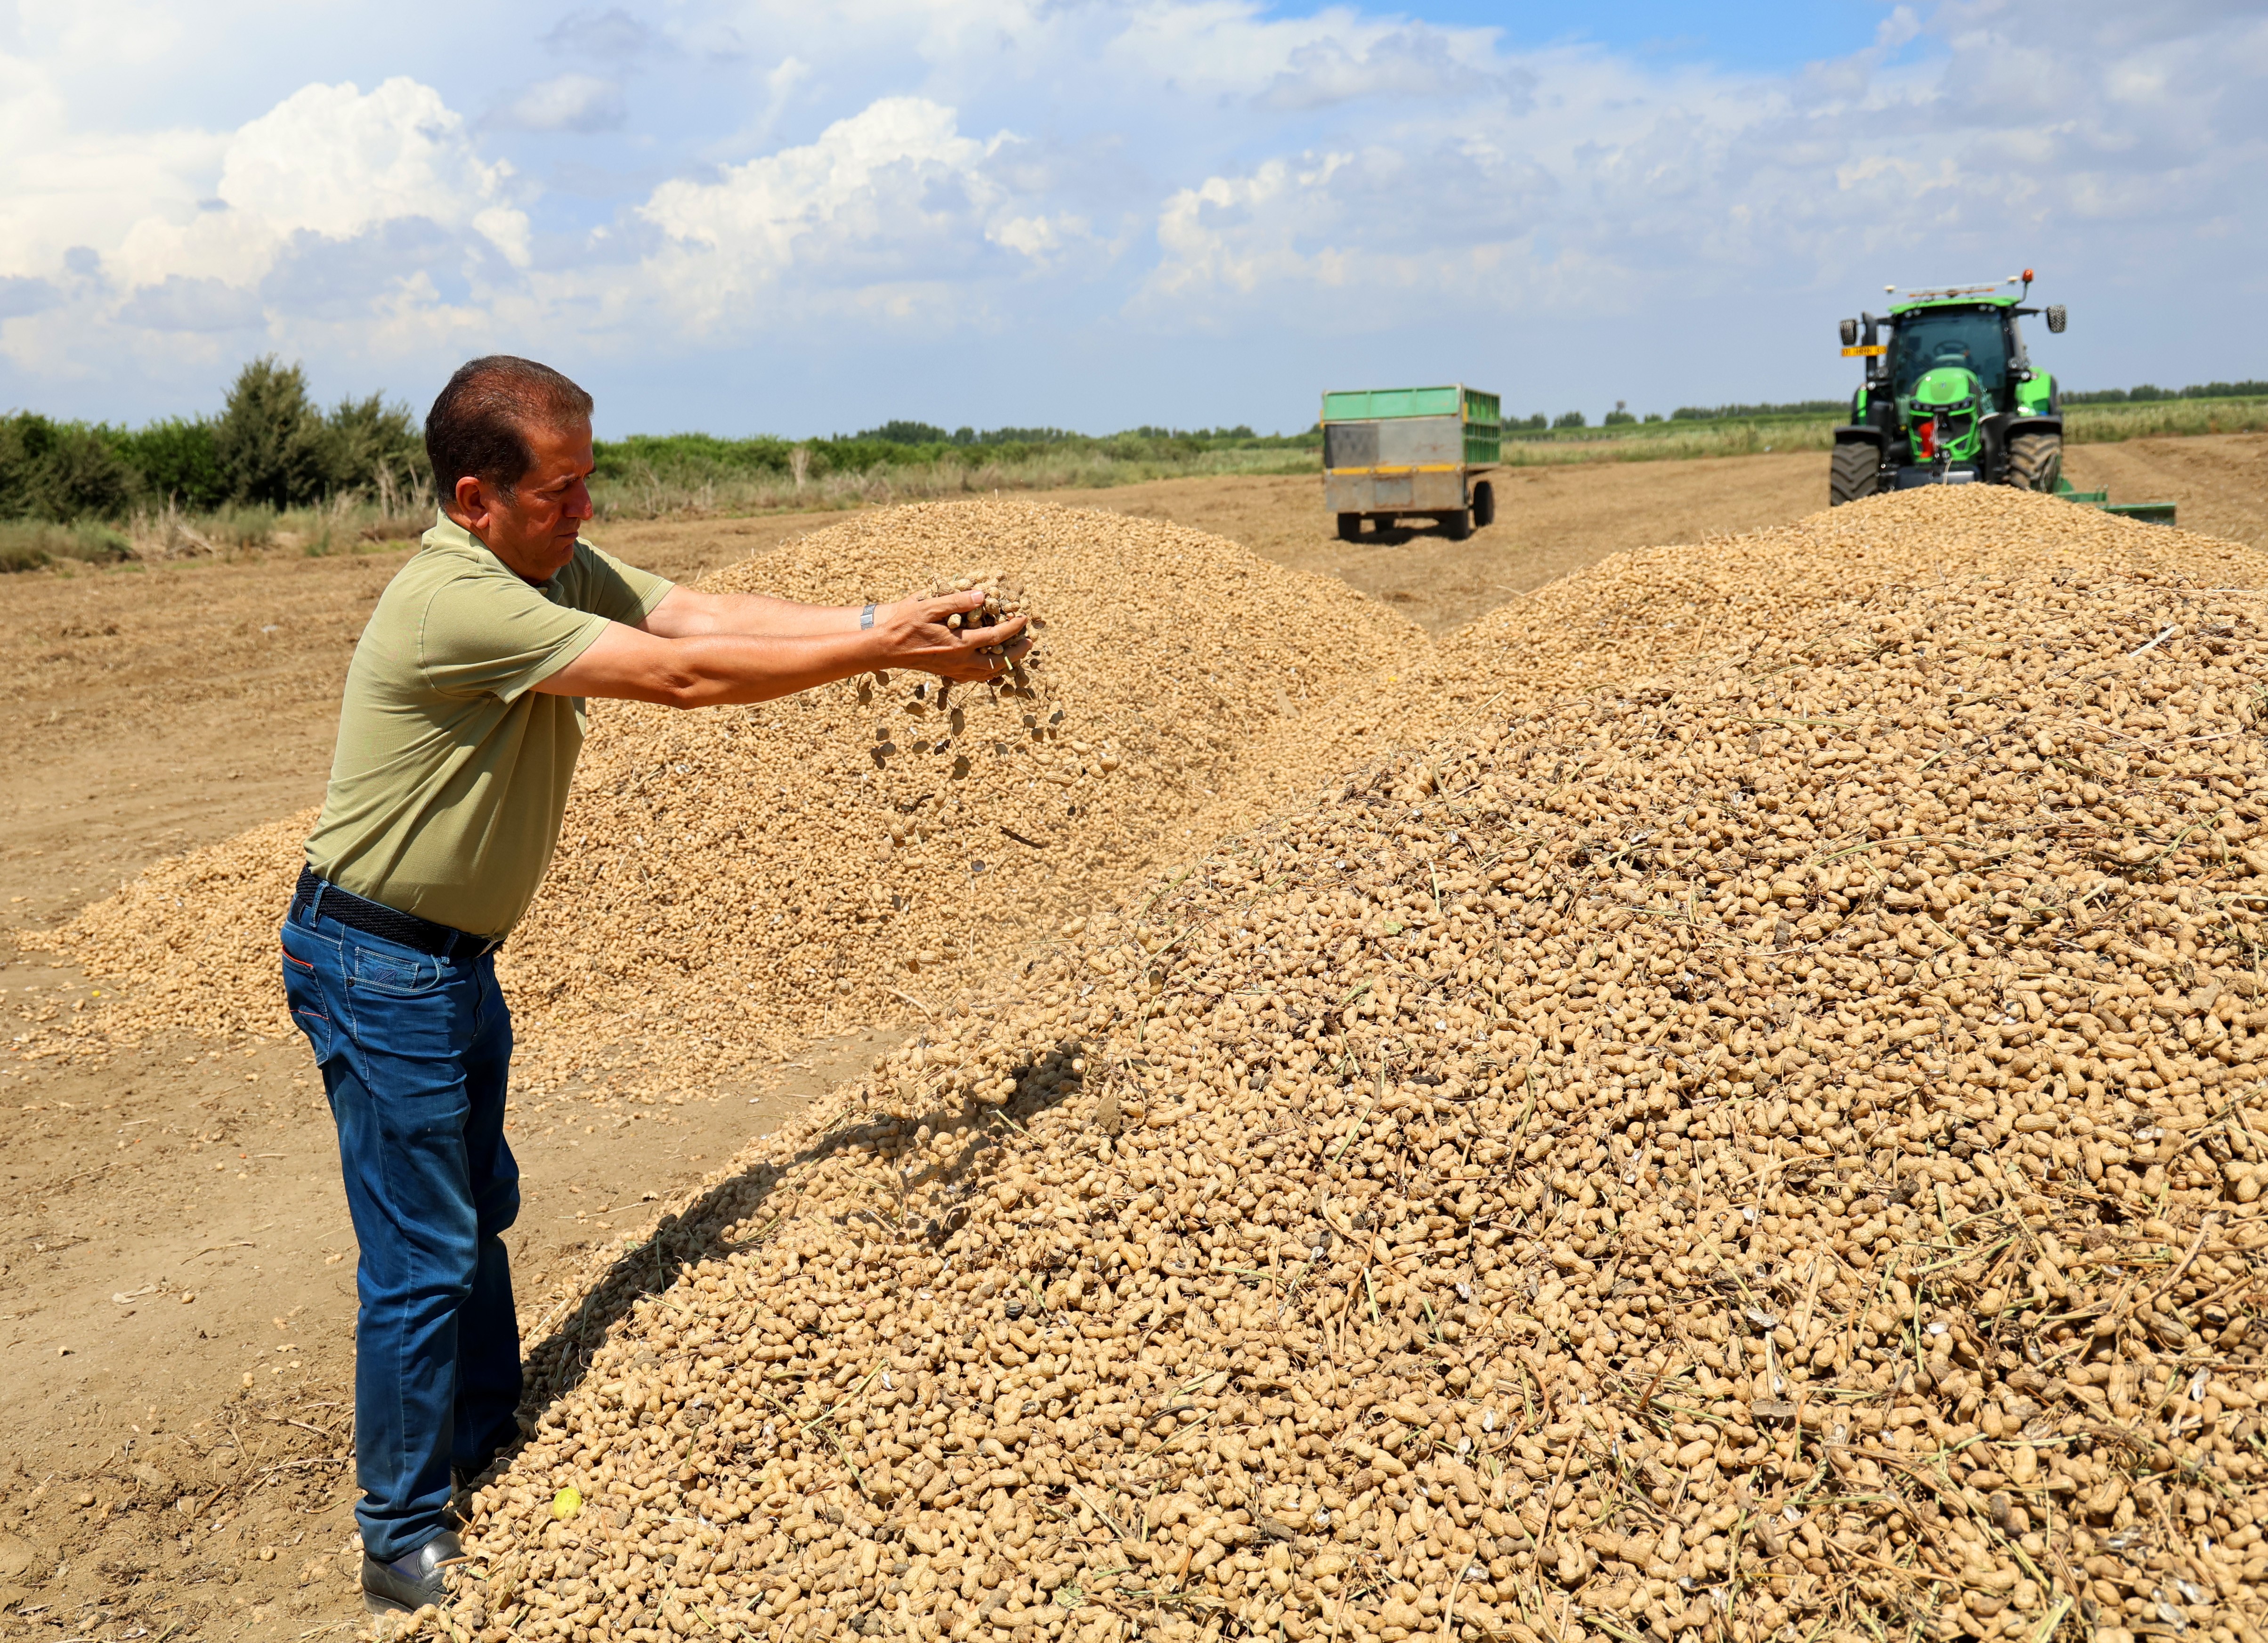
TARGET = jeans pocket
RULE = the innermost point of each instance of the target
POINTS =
(317, 1026)
(400, 1013)
(307, 957)
(394, 970)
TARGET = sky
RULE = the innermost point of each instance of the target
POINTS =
(803, 219)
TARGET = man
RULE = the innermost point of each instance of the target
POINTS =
(462, 719)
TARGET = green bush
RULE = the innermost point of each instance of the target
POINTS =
(274, 449)
(365, 438)
(899, 432)
(271, 437)
(177, 460)
(1569, 419)
(60, 470)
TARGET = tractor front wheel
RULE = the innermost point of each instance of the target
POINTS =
(2036, 460)
(1856, 471)
(1350, 527)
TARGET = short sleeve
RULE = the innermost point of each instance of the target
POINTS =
(604, 585)
(497, 636)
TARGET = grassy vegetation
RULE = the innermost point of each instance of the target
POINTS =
(651, 478)
(27, 544)
(645, 477)
(2092, 423)
(1663, 441)
(2108, 423)
(272, 472)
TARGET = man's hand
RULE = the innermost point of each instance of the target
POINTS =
(914, 634)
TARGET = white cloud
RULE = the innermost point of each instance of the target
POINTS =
(612, 36)
(1611, 188)
(179, 303)
(1124, 178)
(894, 199)
(333, 160)
(1413, 62)
(566, 102)
(257, 231)
(20, 296)
(63, 184)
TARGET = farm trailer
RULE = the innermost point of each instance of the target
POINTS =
(1394, 453)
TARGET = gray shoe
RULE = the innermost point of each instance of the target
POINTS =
(407, 1584)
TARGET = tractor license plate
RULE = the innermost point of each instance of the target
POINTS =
(1867, 349)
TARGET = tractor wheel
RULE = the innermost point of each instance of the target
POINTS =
(1484, 505)
(1350, 527)
(2036, 460)
(1458, 526)
(1855, 471)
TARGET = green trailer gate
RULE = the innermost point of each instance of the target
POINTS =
(1392, 453)
(2148, 513)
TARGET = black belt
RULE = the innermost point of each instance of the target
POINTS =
(372, 918)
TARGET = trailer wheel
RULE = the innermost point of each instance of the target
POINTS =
(1484, 505)
(1458, 526)
(1350, 527)
(1855, 471)
(2035, 460)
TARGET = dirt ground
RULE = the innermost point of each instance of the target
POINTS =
(2217, 481)
(176, 1267)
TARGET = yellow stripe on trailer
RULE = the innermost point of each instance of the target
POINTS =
(1382, 473)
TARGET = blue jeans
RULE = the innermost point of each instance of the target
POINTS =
(414, 1052)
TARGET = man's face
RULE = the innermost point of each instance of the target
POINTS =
(535, 532)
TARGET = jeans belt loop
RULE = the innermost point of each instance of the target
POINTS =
(315, 906)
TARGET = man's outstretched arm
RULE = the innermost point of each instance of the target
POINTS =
(712, 668)
(688, 615)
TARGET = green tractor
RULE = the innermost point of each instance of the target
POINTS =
(1950, 397)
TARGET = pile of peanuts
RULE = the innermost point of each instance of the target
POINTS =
(1771, 1149)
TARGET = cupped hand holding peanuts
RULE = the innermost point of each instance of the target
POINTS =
(921, 633)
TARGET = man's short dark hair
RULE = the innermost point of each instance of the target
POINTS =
(480, 423)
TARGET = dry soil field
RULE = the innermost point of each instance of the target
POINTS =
(176, 1279)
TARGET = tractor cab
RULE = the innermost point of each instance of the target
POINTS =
(1980, 341)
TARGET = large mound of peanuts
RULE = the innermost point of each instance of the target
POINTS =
(730, 882)
(1772, 1151)
(1640, 612)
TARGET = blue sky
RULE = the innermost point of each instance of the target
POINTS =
(1772, 38)
(745, 215)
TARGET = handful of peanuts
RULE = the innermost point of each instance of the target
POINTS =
(1004, 598)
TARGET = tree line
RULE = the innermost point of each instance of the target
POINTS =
(2149, 394)
(905, 432)
(270, 445)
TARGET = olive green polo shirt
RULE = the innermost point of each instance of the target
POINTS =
(452, 770)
